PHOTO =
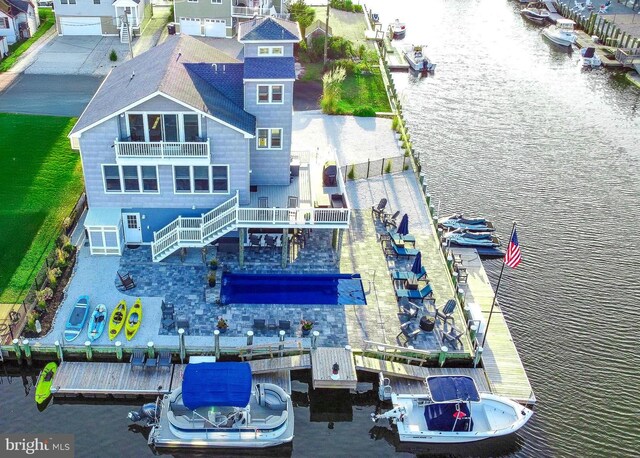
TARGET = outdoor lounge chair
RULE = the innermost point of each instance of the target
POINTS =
(447, 311)
(164, 359)
(410, 313)
(453, 336)
(404, 275)
(255, 241)
(422, 294)
(126, 281)
(137, 358)
(408, 333)
(378, 210)
(390, 220)
(397, 238)
(401, 251)
(259, 324)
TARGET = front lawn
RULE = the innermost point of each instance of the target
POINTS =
(40, 182)
(363, 90)
(47, 19)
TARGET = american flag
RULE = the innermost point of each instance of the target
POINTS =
(513, 256)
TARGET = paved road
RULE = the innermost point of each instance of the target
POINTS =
(49, 94)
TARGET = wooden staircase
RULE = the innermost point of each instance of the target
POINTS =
(125, 33)
(190, 232)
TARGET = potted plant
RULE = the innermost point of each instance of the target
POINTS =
(212, 279)
(222, 325)
(307, 326)
(213, 264)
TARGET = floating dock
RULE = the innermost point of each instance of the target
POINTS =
(322, 364)
(500, 358)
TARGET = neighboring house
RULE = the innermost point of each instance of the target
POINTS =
(317, 29)
(18, 20)
(220, 18)
(186, 143)
(101, 17)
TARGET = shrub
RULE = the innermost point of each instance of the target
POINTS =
(395, 123)
(365, 111)
(337, 48)
(352, 173)
(61, 258)
(307, 325)
(213, 264)
(211, 279)
(31, 322)
(44, 295)
(387, 169)
(348, 65)
(53, 274)
(222, 323)
(331, 83)
(113, 56)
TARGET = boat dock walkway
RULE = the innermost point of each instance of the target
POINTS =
(605, 53)
(322, 364)
(500, 358)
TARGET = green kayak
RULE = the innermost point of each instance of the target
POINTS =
(43, 388)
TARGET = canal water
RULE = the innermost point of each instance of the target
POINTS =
(512, 129)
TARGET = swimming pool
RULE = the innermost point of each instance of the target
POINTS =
(318, 289)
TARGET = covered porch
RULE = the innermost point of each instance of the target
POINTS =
(104, 230)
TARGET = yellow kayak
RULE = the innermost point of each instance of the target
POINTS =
(134, 318)
(117, 319)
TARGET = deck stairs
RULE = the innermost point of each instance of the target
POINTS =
(189, 232)
(125, 33)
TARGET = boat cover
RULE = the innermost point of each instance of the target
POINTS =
(460, 239)
(446, 417)
(453, 388)
(216, 384)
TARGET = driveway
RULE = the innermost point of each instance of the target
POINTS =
(77, 55)
(49, 94)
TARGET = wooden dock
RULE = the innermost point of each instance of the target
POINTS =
(280, 378)
(405, 374)
(93, 379)
(605, 53)
(262, 366)
(500, 358)
(323, 359)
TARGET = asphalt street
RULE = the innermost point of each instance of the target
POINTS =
(55, 95)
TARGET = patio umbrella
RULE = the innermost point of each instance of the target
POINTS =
(403, 227)
(416, 268)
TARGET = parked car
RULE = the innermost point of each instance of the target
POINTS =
(48, 3)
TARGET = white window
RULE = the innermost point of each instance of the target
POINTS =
(270, 51)
(269, 139)
(4, 23)
(216, 2)
(163, 127)
(269, 93)
(192, 1)
(130, 178)
(201, 179)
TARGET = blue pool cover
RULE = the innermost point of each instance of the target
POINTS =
(317, 289)
(216, 384)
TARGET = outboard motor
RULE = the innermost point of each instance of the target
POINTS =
(146, 413)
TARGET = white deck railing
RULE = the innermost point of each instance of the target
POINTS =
(295, 217)
(161, 150)
(250, 12)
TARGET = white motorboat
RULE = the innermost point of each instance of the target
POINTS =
(535, 12)
(589, 57)
(218, 406)
(397, 30)
(562, 33)
(453, 412)
(418, 61)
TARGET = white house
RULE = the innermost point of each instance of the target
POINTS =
(18, 20)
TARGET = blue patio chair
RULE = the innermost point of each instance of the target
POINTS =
(137, 358)
(164, 359)
(410, 313)
(401, 251)
(422, 294)
(404, 275)
(446, 312)
(453, 337)
(397, 238)
(408, 333)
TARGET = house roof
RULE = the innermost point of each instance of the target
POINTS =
(268, 29)
(317, 25)
(14, 7)
(175, 69)
(269, 68)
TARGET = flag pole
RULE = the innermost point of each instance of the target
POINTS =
(484, 338)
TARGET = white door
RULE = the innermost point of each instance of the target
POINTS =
(215, 28)
(80, 25)
(190, 26)
(132, 228)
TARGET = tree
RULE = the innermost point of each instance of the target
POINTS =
(302, 13)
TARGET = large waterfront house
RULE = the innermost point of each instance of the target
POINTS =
(191, 141)
(101, 17)
(18, 20)
(220, 18)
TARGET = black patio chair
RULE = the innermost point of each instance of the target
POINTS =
(255, 241)
(390, 220)
(259, 324)
(284, 325)
(183, 323)
(137, 358)
(164, 359)
(408, 333)
(270, 241)
(126, 281)
(378, 210)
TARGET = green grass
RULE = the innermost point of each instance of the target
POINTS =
(40, 182)
(344, 24)
(312, 71)
(17, 49)
(361, 90)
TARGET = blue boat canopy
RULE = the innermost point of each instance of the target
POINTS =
(216, 384)
(453, 388)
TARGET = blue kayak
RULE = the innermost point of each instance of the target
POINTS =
(77, 319)
(97, 322)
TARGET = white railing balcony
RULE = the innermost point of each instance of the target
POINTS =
(247, 11)
(293, 217)
(162, 151)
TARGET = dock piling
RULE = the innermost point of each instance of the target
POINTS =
(16, 348)
(88, 350)
(183, 350)
(314, 339)
(477, 357)
(281, 344)
(461, 295)
(151, 352)
(216, 343)
(27, 351)
(58, 350)
(118, 350)
(442, 357)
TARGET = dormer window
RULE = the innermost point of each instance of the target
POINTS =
(169, 127)
(264, 51)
